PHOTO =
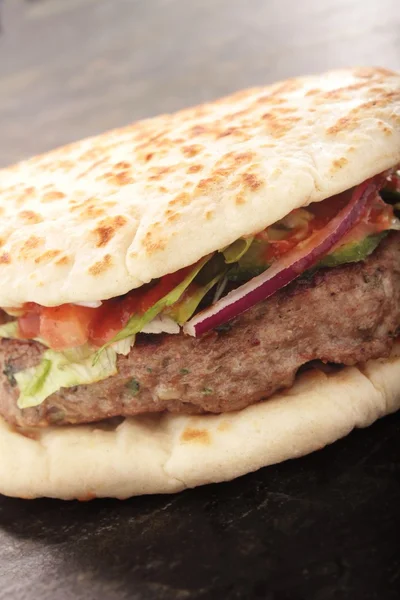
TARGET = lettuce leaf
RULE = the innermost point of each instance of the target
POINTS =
(182, 310)
(9, 330)
(162, 324)
(235, 251)
(137, 322)
(63, 370)
(250, 264)
(124, 346)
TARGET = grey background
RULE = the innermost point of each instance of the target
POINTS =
(70, 68)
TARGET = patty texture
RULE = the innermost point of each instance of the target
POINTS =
(344, 315)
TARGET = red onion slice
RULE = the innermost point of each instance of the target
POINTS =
(289, 267)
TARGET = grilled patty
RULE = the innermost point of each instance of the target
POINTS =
(342, 315)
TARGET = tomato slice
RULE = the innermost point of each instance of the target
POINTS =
(114, 314)
(164, 286)
(66, 326)
(377, 217)
(29, 325)
(278, 248)
(111, 317)
(320, 215)
(326, 210)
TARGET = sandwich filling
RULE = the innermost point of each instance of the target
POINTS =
(54, 351)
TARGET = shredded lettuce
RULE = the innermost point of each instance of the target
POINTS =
(219, 290)
(250, 264)
(235, 251)
(74, 366)
(9, 330)
(138, 321)
(124, 346)
(63, 370)
(162, 324)
(182, 310)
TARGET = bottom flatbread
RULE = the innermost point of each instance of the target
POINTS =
(168, 453)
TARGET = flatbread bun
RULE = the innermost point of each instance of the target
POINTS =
(100, 217)
(168, 453)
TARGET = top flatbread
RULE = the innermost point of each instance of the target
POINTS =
(102, 216)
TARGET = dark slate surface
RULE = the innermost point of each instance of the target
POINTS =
(320, 528)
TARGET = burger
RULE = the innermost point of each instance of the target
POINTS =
(201, 294)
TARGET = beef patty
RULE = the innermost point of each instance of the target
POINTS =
(345, 315)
